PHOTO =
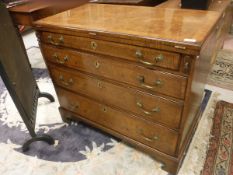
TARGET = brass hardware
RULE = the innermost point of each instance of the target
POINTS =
(97, 64)
(92, 33)
(100, 85)
(93, 45)
(104, 109)
(139, 54)
(61, 39)
(158, 83)
(70, 82)
(157, 59)
(180, 47)
(55, 56)
(186, 66)
(74, 106)
(65, 59)
(51, 40)
(155, 110)
(153, 139)
(146, 63)
(223, 15)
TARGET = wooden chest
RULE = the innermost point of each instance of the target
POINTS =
(135, 72)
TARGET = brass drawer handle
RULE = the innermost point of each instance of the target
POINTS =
(70, 82)
(65, 59)
(60, 40)
(155, 110)
(74, 106)
(153, 139)
(157, 59)
(158, 83)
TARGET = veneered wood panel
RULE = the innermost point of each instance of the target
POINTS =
(153, 81)
(150, 134)
(147, 57)
(150, 107)
(162, 24)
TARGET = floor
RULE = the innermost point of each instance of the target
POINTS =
(30, 41)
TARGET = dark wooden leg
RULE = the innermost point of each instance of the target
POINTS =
(45, 138)
(47, 95)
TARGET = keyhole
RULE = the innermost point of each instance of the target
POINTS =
(104, 109)
(93, 45)
(97, 65)
(100, 85)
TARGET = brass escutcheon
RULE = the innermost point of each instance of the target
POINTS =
(52, 41)
(139, 54)
(104, 109)
(93, 45)
(159, 58)
(97, 64)
(100, 85)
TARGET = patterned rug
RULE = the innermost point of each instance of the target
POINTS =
(219, 159)
(222, 71)
(80, 149)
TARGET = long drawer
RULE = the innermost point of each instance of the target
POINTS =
(147, 79)
(153, 135)
(149, 57)
(150, 107)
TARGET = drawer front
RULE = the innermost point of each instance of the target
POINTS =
(148, 57)
(153, 135)
(147, 79)
(150, 107)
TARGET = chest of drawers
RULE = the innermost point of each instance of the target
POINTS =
(142, 83)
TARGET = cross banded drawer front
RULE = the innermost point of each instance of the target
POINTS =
(150, 80)
(150, 134)
(145, 56)
(150, 107)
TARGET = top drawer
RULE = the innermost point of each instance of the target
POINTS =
(148, 57)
